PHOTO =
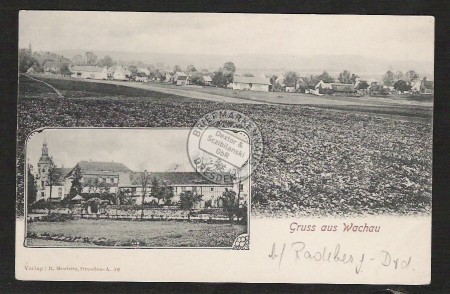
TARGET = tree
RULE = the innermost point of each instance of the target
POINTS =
(402, 86)
(325, 77)
(291, 79)
(363, 85)
(176, 68)
(388, 78)
(189, 198)
(399, 76)
(64, 70)
(219, 79)
(31, 186)
(106, 61)
(91, 58)
(346, 77)
(75, 188)
(133, 70)
(144, 182)
(411, 76)
(157, 190)
(167, 192)
(190, 68)
(230, 203)
(26, 60)
(229, 66)
(52, 180)
(78, 60)
(197, 79)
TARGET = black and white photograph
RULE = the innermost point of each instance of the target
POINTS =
(117, 187)
(189, 130)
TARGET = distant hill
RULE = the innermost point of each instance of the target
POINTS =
(364, 66)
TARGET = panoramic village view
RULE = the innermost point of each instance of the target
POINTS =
(345, 134)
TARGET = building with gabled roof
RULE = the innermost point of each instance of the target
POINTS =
(97, 177)
(130, 185)
(141, 77)
(427, 87)
(54, 66)
(207, 80)
(251, 83)
(343, 89)
(89, 72)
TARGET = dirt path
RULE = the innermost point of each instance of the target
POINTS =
(48, 85)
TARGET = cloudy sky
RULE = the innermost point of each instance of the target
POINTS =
(387, 37)
(139, 149)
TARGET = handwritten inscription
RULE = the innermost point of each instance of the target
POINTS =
(300, 253)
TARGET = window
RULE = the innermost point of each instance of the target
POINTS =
(60, 192)
(42, 194)
(212, 189)
(112, 180)
(42, 183)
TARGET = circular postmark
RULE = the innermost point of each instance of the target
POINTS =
(225, 146)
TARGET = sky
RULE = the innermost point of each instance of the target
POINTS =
(386, 37)
(139, 149)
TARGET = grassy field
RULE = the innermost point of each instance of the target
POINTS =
(152, 234)
(347, 160)
(397, 107)
(72, 88)
(296, 98)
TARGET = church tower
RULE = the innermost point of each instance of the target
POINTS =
(43, 167)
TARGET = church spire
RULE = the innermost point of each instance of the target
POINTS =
(44, 148)
(45, 159)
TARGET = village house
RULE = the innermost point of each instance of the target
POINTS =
(182, 81)
(343, 89)
(324, 88)
(121, 74)
(427, 87)
(207, 80)
(180, 78)
(89, 72)
(52, 66)
(302, 85)
(377, 89)
(169, 77)
(141, 77)
(251, 83)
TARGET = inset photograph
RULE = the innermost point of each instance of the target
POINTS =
(94, 187)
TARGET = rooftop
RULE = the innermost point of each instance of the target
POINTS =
(88, 68)
(251, 80)
(172, 178)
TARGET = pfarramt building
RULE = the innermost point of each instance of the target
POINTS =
(114, 177)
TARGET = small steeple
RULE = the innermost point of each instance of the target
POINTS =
(44, 147)
(45, 159)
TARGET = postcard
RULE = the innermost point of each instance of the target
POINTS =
(201, 147)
